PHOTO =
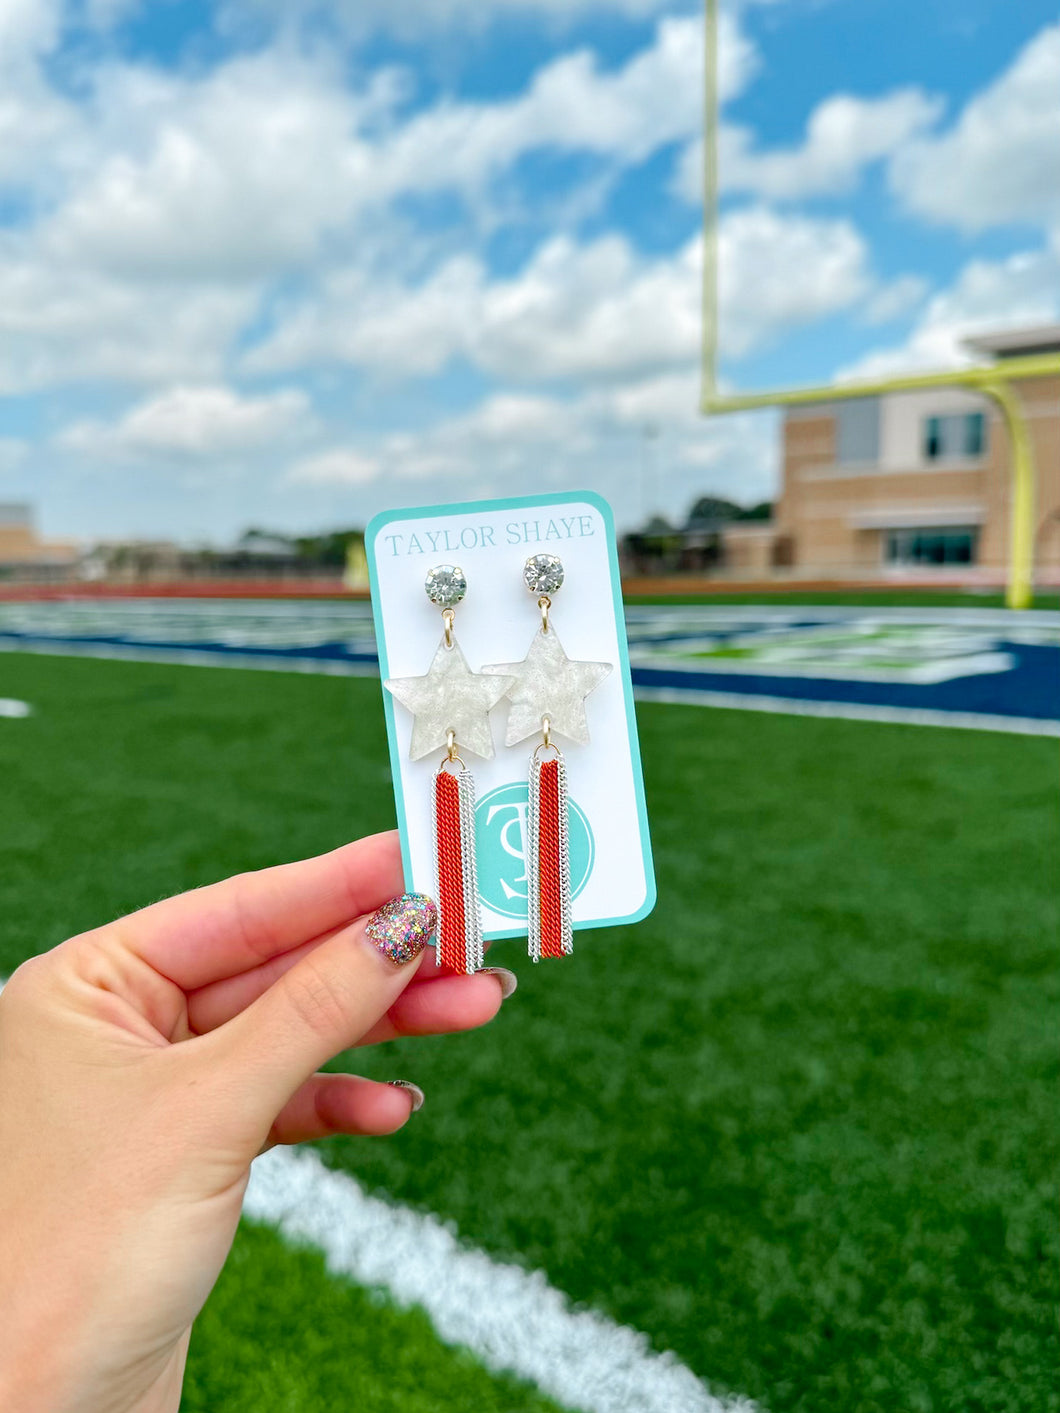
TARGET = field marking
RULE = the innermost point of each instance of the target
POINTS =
(851, 711)
(511, 1319)
(11, 706)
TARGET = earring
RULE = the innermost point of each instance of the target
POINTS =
(547, 695)
(450, 706)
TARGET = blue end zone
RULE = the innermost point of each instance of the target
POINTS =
(1028, 689)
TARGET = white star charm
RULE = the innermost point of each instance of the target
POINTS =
(450, 697)
(548, 683)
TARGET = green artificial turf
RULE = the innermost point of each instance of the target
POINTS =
(799, 1126)
(280, 1333)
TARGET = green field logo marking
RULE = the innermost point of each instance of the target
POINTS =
(500, 835)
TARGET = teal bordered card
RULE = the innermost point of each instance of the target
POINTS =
(612, 877)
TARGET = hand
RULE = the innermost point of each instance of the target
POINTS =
(142, 1068)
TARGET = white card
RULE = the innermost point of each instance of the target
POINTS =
(612, 878)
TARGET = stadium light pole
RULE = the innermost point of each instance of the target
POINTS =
(993, 380)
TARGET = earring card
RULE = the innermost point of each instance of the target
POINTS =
(611, 875)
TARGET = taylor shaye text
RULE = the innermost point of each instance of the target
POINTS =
(516, 532)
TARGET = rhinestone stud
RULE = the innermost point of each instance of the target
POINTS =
(543, 573)
(445, 585)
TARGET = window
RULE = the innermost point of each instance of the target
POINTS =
(858, 430)
(956, 435)
(944, 546)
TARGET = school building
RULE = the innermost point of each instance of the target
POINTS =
(910, 484)
(24, 556)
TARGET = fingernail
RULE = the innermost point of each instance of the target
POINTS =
(508, 979)
(415, 1092)
(403, 927)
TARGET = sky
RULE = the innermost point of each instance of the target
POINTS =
(287, 263)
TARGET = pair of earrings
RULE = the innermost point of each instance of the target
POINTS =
(450, 704)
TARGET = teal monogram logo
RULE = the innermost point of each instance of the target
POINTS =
(500, 837)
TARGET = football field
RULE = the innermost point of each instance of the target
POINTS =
(792, 1139)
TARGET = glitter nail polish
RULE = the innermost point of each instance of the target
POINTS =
(403, 927)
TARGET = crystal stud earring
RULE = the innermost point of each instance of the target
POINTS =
(547, 696)
(450, 706)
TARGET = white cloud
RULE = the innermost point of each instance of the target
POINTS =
(231, 177)
(778, 272)
(644, 445)
(174, 203)
(893, 300)
(571, 104)
(502, 438)
(192, 423)
(377, 323)
(60, 324)
(34, 118)
(28, 28)
(169, 202)
(666, 399)
(581, 311)
(844, 134)
(246, 172)
(590, 312)
(1000, 161)
(1020, 291)
(337, 467)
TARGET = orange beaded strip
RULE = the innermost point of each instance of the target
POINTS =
(460, 916)
(452, 927)
(551, 904)
(548, 856)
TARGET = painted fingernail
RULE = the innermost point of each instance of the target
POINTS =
(414, 1091)
(403, 927)
(508, 979)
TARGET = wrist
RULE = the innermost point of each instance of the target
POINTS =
(164, 1394)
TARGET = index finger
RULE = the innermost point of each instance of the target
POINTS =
(227, 928)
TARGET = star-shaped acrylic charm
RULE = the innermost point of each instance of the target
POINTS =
(548, 683)
(450, 697)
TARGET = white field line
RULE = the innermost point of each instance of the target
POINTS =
(11, 706)
(511, 1319)
(851, 711)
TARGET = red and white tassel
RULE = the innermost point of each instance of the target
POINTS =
(550, 932)
(459, 915)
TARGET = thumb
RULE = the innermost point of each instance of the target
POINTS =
(324, 1004)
